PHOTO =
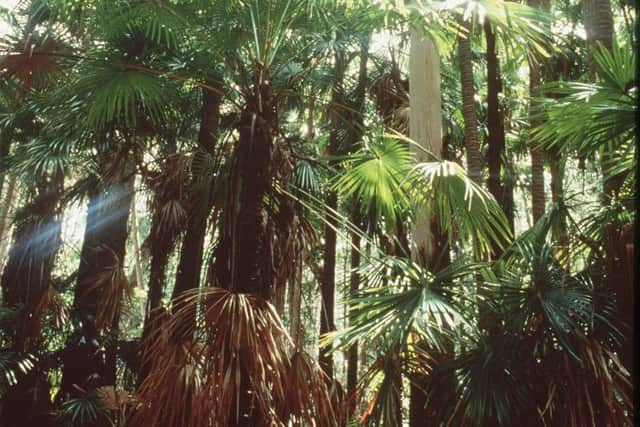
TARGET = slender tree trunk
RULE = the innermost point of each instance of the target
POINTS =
(5, 211)
(354, 136)
(471, 135)
(5, 146)
(328, 285)
(425, 124)
(137, 268)
(190, 264)
(354, 285)
(295, 304)
(536, 150)
(495, 125)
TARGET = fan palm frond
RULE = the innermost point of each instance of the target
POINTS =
(460, 205)
(601, 116)
(415, 303)
(374, 178)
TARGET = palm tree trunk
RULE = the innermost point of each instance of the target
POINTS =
(495, 125)
(89, 359)
(190, 264)
(137, 267)
(598, 20)
(471, 135)
(25, 281)
(5, 211)
(354, 135)
(5, 146)
(295, 304)
(425, 124)
(535, 149)
(328, 283)
(27, 274)
(354, 285)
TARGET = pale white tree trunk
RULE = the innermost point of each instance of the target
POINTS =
(137, 267)
(5, 227)
(425, 120)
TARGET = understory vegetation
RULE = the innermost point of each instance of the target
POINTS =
(317, 212)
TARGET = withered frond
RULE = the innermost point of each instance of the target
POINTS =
(305, 376)
(222, 354)
(30, 60)
(112, 289)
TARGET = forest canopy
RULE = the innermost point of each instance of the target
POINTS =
(317, 212)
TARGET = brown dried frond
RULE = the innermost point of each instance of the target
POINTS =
(112, 289)
(392, 100)
(383, 405)
(30, 61)
(168, 200)
(591, 392)
(31, 315)
(301, 410)
(217, 350)
(50, 302)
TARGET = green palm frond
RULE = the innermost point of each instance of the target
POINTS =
(489, 388)
(374, 178)
(116, 93)
(40, 157)
(306, 177)
(12, 366)
(414, 302)
(160, 21)
(84, 411)
(459, 205)
(592, 117)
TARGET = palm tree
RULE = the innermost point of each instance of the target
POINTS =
(594, 117)
(471, 134)
(495, 124)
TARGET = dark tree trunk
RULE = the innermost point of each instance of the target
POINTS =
(328, 285)
(89, 357)
(36, 243)
(26, 279)
(471, 135)
(354, 285)
(495, 124)
(5, 146)
(354, 136)
(598, 20)
(243, 258)
(190, 264)
(167, 188)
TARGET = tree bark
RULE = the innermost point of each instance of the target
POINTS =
(137, 267)
(27, 274)
(471, 135)
(89, 356)
(5, 211)
(598, 20)
(425, 124)
(495, 125)
(190, 264)
(535, 148)
(328, 285)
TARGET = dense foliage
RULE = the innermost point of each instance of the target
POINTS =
(317, 212)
